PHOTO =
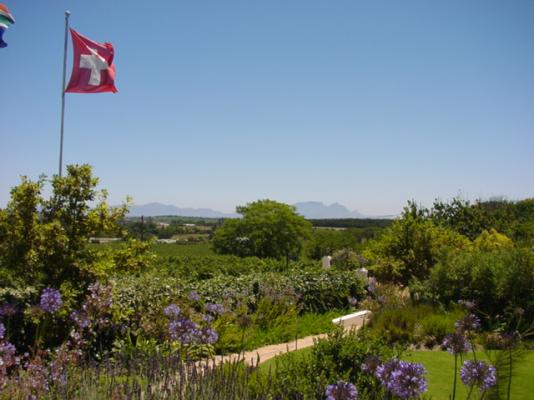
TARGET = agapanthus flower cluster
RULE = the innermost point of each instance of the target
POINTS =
(353, 301)
(468, 323)
(208, 336)
(478, 374)
(186, 331)
(8, 310)
(172, 311)
(97, 306)
(58, 367)
(208, 318)
(100, 297)
(456, 343)
(36, 377)
(194, 296)
(384, 371)
(341, 391)
(7, 354)
(50, 300)
(81, 319)
(215, 308)
(402, 379)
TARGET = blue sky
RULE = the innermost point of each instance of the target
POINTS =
(366, 103)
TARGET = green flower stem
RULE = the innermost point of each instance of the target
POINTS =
(455, 378)
(470, 392)
(509, 373)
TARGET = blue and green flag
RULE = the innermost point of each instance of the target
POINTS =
(6, 19)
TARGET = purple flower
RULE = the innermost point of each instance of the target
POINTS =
(370, 364)
(215, 308)
(7, 310)
(341, 391)
(184, 330)
(194, 296)
(7, 354)
(384, 371)
(456, 343)
(2, 330)
(403, 379)
(478, 373)
(207, 318)
(208, 336)
(37, 376)
(80, 319)
(353, 301)
(172, 311)
(100, 296)
(50, 300)
(468, 323)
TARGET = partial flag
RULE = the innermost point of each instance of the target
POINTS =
(6, 19)
(93, 70)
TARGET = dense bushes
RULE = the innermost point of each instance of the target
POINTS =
(411, 247)
(314, 289)
(46, 242)
(339, 357)
(500, 282)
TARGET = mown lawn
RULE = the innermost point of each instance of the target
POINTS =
(440, 367)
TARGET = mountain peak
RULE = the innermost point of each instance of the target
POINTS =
(319, 210)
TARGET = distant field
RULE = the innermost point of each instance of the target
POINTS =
(198, 249)
(171, 249)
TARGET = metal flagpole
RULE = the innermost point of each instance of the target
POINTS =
(67, 14)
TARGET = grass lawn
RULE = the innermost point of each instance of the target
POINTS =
(440, 366)
(305, 325)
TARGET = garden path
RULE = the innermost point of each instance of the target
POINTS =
(262, 354)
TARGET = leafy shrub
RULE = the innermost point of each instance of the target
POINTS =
(498, 281)
(317, 290)
(340, 356)
(411, 247)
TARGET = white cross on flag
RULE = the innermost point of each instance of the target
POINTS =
(93, 70)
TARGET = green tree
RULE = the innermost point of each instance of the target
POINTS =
(411, 247)
(267, 229)
(46, 241)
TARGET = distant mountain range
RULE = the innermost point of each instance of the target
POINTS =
(318, 210)
(309, 209)
(158, 209)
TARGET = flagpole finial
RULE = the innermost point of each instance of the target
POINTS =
(67, 13)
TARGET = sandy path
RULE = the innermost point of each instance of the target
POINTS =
(267, 352)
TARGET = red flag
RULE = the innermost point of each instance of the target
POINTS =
(93, 70)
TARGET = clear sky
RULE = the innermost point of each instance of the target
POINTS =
(365, 103)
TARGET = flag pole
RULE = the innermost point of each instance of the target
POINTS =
(67, 14)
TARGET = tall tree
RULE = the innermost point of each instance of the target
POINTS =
(267, 229)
